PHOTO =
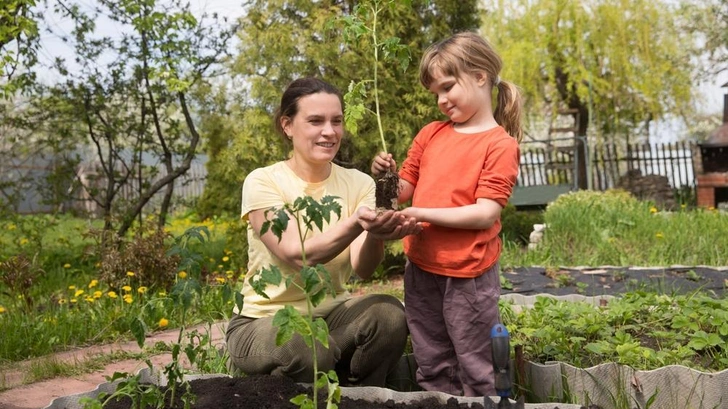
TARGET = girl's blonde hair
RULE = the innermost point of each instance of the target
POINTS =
(469, 53)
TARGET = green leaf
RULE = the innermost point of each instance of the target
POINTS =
(138, 329)
(321, 331)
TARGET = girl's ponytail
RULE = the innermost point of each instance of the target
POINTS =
(509, 106)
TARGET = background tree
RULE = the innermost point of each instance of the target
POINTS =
(614, 66)
(18, 44)
(622, 65)
(283, 40)
(129, 99)
(709, 19)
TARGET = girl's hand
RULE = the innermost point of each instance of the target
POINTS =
(383, 162)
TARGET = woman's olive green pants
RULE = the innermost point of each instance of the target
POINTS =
(367, 336)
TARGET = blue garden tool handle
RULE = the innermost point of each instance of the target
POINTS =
(501, 345)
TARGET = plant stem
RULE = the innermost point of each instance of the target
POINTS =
(375, 10)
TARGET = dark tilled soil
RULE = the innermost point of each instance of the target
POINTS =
(274, 392)
(615, 280)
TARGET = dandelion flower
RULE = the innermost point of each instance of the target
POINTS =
(128, 299)
(98, 294)
(653, 209)
(130, 274)
(112, 294)
(93, 283)
(2, 309)
(126, 288)
(220, 280)
(182, 274)
(162, 294)
(23, 241)
(659, 235)
(73, 300)
(66, 265)
(71, 287)
(78, 292)
(163, 322)
(142, 290)
(62, 301)
(226, 259)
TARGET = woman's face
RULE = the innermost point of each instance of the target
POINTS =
(316, 130)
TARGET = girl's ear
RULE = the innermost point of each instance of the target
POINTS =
(481, 78)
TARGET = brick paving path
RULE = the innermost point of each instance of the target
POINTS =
(38, 395)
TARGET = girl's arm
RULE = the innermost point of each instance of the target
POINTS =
(481, 215)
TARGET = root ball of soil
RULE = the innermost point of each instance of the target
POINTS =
(387, 191)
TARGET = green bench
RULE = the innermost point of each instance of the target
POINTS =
(537, 197)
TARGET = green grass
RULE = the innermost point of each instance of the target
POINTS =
(588, 228)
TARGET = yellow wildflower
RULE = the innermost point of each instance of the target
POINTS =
(23, 241)
(93, 283)
(71, 287)
(229, 274)
(98, 294)
(130, 274)
(162, 294)
(182, 274)
(66, 265)
(653, 209)
(62, 301)
(225, 259)
(12, 226)
(659, 235)
(128, 299)
(163, 322)
(142, 290)
(73, 301)
(89, 298)
(78, 292)
(126, 288)
(112, 294)
(2, 309)
(220, 280)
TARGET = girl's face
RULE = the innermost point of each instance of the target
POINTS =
(316, 130)
(464, 100)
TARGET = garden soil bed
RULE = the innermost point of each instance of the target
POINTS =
(274, 392)
(597, 281)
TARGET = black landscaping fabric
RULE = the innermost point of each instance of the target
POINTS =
(615, 280)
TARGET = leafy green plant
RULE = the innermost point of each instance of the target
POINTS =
(360, 24)
(315, 282)
(141, 395)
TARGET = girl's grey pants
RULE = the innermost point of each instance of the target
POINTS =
(450, 320)
(367, 336)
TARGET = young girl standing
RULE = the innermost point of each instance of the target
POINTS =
(459, 174)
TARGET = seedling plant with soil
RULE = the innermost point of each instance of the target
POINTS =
(362, 24)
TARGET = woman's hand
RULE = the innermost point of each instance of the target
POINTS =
(383, 162)
(388, 225)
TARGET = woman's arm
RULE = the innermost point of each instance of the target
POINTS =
(481, 215)
(367, 250)
(319, 249)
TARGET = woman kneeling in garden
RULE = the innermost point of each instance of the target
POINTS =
(367, 333)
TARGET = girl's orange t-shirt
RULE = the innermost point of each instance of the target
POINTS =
(453, 169)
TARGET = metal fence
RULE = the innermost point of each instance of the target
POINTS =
(550, 163)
